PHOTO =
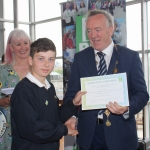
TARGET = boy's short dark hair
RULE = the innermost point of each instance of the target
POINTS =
(42, 45)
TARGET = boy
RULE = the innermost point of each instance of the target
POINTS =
(37, 119)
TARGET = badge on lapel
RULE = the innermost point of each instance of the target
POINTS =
(46, 102)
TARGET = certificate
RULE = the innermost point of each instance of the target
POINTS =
(104, 89)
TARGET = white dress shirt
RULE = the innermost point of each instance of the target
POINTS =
(108, 53)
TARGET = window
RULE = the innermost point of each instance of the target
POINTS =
(23, 10)
(8, 28)
(8, 9)
(51, 30)
(24, 27)
(56, 77)
(45, 9)
(134, 27)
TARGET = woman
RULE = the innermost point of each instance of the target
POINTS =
(69, 42)
(82, 10)
(74, 12)
(94, 5)
(67, 14)
(16, 67)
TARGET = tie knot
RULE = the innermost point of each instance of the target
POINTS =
(101, 54)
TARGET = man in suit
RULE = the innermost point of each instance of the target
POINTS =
(94, 134)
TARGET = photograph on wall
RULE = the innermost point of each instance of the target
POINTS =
(67, 13)
(116, 8)
(82, 6)
(72, 9)
(69, 49)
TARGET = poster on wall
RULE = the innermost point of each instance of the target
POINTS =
(70, 10)
(117, 8)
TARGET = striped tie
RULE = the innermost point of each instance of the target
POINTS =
(102, 68)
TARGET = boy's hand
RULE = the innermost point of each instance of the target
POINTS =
(77, 98)
(72, 122)
(71, 131)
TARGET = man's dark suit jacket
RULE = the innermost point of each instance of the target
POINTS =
(122, 134)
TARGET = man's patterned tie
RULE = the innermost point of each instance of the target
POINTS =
(102, 68)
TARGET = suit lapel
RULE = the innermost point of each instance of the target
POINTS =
(113, 60)
(91, 63)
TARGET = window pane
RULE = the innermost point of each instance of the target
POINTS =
(134, 27)
(51, 30)
(56, 77)
(45, 9)
(8, 9)
(8, 28)
(149, 25)
(24, 27)
(23, 10)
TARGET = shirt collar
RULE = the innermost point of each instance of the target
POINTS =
(37, 82)
(108, 51)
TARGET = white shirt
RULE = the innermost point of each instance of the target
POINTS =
(74, 14)
(82, 11)
(67, 15)
(108, 53)
(37, 82)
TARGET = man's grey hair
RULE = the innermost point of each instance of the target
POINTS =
(108, 16)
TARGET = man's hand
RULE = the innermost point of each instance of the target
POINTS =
(77, 98)
(117, 109)
(72, 122)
